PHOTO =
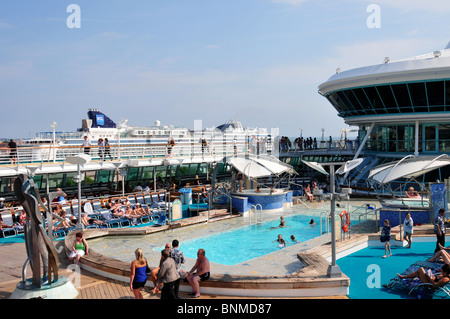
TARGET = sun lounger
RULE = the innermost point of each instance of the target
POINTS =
(413, 286)
(162, 220)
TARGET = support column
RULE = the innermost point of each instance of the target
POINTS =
(416, 140)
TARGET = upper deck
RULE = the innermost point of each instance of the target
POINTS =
(394, 91)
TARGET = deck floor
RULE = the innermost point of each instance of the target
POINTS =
(91, 286)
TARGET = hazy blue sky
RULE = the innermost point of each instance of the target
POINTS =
(177, 61)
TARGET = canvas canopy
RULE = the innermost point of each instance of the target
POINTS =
(259, 166)
(407, 167)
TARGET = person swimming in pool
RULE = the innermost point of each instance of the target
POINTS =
(282, 224)
(280, 240)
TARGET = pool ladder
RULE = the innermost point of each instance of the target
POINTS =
(258, 216)
(324, 222)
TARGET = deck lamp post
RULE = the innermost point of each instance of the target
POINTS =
(333, 269)
(53, 126)
(79, 160)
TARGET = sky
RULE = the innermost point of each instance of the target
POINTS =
(178, 61)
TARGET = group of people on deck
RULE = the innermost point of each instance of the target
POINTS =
(166, 277)
(438, 279)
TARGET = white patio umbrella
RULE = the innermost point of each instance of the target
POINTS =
(407, 167)
(259, 166)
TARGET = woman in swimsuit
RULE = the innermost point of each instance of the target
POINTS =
(426, 277)
(138, 276)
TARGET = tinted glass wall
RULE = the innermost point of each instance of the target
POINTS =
(433, 138)
(412, 97)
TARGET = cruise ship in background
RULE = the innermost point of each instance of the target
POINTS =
(142, 152)
(400, 107)
(99, 125)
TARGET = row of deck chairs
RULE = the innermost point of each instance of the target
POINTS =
(417, 288)
(145, 199)
(9, 220)
(96, 209)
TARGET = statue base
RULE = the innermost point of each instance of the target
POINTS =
(61, 289)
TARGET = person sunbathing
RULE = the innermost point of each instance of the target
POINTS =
(427, 277)
(442, 254)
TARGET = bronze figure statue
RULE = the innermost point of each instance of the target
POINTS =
(38, 244)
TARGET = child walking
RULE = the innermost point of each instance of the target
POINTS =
(385, 238)
(408, 225)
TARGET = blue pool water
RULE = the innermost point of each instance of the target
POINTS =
(359, 267)
(245, 243)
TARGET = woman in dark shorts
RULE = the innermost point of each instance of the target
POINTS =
(138, 276)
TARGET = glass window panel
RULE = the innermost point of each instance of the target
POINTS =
(391, 138)
(444, 138)
(430, 138)
(401, 138)
(353, 100)
(347, 106)
(103, 176)
(402, 97)
(193, 169)
(147, 172)
(375, 100)
(133, 173)
(183, 170)
(203, 168)
(161, 171)
(362, 98)
(418, 96)
(388, 98)
(447, 93)
(334, 99)
(55, 180)
(435, 93)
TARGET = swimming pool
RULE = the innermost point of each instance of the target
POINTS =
(239, 245)
(227, 243)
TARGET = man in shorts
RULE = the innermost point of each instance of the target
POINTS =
(201, 273)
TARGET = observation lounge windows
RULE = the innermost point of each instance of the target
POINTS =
(353, 101)
(388, 99)
(402, 97)
(435, 93)
(348, 107)
(336, 101)
(419, 97)
(362, 98)
(375, 100)
(447, 93)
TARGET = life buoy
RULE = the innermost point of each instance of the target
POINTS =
(345, 220)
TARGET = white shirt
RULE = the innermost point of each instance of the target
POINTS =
(408, 225)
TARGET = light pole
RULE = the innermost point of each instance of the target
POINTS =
(53, 126)
(333, 269)
(79, 160)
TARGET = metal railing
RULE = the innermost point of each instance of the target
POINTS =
(325, 216)
(255, 208)
(187, 149)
